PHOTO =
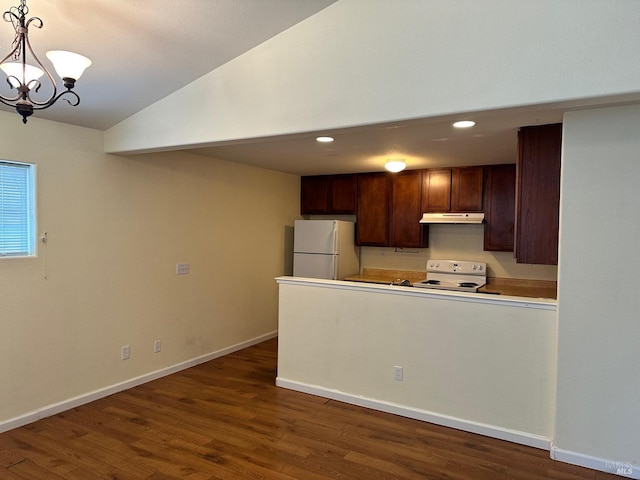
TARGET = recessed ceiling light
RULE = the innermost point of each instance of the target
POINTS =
(324, 139)
(464, 124)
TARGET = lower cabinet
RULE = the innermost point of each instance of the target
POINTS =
(499, 207)
(389, 210)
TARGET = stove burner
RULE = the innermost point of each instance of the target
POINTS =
(432, 282)
(468, 284)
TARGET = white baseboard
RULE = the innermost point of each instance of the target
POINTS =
(70, 403)
(515, 436)
(624, 469)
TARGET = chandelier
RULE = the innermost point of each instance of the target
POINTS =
(24, 78)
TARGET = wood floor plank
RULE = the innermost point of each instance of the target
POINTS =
(226, 419)
(9, 457)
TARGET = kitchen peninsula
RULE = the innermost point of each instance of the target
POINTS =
(481, 363)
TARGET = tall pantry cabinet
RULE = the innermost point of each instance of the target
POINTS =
(538, 194)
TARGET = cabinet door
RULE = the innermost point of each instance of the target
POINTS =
(466, 189)
(406, 210)
(372, 227)
(436, 190)
(342, 194)
(538, 194)
(499, 207)
(314, 195)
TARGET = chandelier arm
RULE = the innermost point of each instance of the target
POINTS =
(4, 99)
(12, 53)
(10, 101)
(7, 16)
(17, 22)
(75, 103)
(38, 20)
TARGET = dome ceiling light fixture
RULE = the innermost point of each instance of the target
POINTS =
(395, 165)
(324, 139)
(25, 78)
(464, 124)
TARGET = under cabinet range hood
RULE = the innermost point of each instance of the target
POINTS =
(452, 218)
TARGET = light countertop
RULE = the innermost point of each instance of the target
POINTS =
(497, 286)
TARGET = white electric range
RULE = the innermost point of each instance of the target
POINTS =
(459, 275)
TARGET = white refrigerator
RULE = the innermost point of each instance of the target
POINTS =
(325, 249)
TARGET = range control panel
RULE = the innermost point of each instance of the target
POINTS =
(456, 266)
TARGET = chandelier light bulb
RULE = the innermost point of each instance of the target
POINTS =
(14, 69)
(68, 64)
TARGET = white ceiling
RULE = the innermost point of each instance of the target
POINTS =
(143, 50)
(425, 143)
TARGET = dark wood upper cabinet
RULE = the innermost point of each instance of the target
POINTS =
(372, 227)
(328, 194)
(436, 190)
(466, 189)
(499, 207)
(314, 195)
(389, 210)
(406, 210)
(538, 194)
(342, 194)
(452, 190)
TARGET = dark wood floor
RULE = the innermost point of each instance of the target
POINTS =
(225, 419)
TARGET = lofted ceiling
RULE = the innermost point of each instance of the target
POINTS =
(143, 50)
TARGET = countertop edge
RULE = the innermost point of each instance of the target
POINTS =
(523, 302)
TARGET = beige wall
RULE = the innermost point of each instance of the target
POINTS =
(116, 229)
(598, 303)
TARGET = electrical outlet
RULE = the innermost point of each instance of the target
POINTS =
(157, 346)
(182, 268)
(398, 374)
(125, 352)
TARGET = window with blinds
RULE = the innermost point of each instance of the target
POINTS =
(17, 209)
